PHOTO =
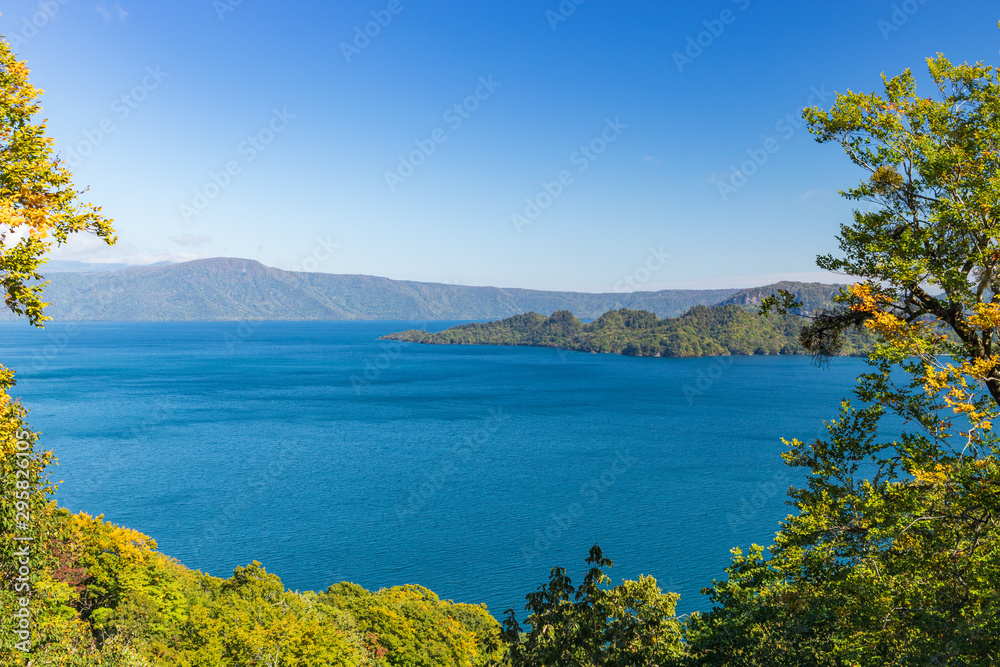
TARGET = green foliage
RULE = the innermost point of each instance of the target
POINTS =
(796, 297)
(38, 203)
(702, 331)
(108, 595)
(630, 625)
(26, 522)
(892, 559)
(893, 554)
(927, 243)
(780, 302)
(416, 628)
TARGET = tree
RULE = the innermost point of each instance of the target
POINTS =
(929, 249)
(38, 202)
(38, 206)
(628, 625)
(894, 555)
(415, 627)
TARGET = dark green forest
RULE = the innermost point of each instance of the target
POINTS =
(702, 331)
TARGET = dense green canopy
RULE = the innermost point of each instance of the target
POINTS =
(702, 331)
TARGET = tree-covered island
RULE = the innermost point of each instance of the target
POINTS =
(703, 331)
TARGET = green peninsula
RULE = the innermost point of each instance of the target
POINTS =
(702, 331)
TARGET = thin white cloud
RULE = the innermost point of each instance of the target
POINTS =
(112, 12)
(90, 249)
(814, 195)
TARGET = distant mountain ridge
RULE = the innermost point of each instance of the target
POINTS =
(813, 296)
(230, 289)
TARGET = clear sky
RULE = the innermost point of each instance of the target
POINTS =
(275, 130)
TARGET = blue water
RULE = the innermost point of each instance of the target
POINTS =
(329, 455)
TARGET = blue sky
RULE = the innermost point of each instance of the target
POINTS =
(583, 150)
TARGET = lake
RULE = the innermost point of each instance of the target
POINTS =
(329, 455)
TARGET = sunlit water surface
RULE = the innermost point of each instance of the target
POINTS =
(329, 455)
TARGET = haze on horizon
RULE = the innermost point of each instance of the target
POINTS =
(546, 145)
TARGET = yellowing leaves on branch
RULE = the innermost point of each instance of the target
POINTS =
(893, 554)
(960, 382)
(39, 205)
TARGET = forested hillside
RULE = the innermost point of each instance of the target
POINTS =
(700, 332)
(104, 595)
(812, 296)
(226, 289)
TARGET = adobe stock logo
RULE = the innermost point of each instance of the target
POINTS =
(591, 493)
(47, 10)
(707, 378)
(632, 282)
(785, 128)
(899, 17)
(223, 7)
(565, 9)
(122, 107)
(363, 36)
(249, 149)
(697, 44)
(582, 158)
(455, 116)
